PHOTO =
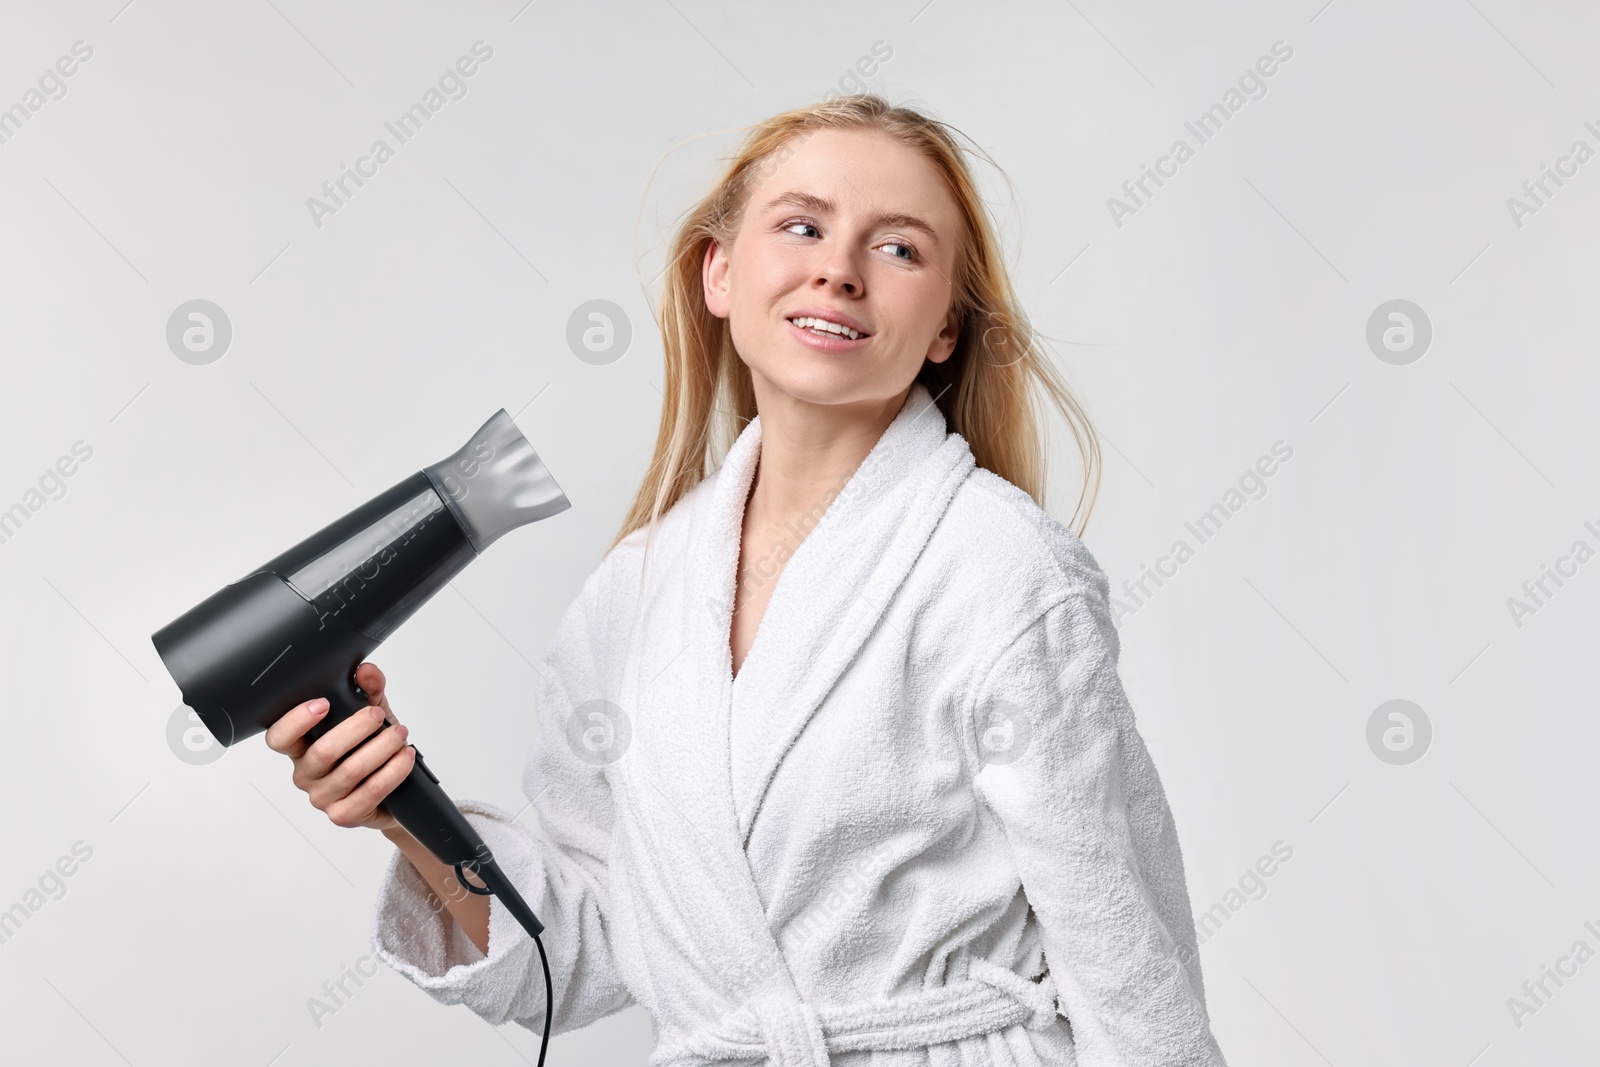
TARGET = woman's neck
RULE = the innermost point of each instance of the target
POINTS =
(808, 453)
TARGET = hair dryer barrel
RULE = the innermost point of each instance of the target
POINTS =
(298, 626)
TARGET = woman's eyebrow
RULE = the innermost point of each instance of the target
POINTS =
(823, 206)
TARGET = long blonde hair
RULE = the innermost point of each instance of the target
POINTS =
(987, 390)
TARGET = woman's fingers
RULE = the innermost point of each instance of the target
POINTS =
(359, 808)
(287, 735)
(349, 770)
(328, 749)
(348, 774)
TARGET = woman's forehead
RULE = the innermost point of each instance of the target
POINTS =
(856, 172)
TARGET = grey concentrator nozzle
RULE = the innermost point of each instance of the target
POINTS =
(496, 482)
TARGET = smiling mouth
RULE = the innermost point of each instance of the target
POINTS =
(824, 328)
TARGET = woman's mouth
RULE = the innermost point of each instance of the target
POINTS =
(825, 335)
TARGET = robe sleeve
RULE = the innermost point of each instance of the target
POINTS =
(560, 869)
(1088, 824)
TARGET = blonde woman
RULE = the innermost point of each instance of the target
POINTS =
(833, 763)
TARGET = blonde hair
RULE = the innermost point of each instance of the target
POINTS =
(988, 389)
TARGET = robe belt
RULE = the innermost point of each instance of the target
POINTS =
(787, 1032)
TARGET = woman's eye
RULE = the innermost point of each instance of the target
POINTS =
(902, 249)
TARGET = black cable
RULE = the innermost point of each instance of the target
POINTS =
(549, 999)
(544, 962)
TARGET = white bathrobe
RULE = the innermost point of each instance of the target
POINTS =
(919, 828)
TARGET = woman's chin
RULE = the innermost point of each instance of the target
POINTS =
(822, 383)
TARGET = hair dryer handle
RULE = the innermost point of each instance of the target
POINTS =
(421, 805)
(425, 812)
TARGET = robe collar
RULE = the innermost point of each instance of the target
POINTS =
(845, 561)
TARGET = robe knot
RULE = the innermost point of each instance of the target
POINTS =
(787, 1032)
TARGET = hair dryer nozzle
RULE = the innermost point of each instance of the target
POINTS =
(496, 482)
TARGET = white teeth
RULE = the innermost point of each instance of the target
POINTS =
(824, 326)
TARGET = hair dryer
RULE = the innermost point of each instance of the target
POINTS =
(298, 626)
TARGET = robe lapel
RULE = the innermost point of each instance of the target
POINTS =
(833, 590)
(684, 816)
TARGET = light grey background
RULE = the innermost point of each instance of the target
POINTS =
(1228, 313)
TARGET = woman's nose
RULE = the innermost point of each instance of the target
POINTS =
(838, 271)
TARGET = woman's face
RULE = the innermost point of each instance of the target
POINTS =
(853, 228)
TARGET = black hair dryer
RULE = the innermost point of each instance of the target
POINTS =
(298, 626)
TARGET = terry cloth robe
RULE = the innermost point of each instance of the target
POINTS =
(918, 828)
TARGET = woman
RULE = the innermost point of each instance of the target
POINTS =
(833, 764)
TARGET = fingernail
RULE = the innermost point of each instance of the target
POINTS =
(377, 712)
(319, 706)
(403, 732)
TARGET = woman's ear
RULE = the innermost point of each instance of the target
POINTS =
(944, 342)
(714, 278)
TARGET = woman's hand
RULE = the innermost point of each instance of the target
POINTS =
(348, 789)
